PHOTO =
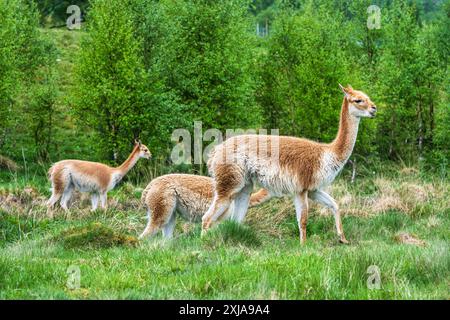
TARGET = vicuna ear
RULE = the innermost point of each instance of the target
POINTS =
(344, 90)
(137, 142)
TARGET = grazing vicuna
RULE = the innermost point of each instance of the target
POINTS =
(189, 195)
(302, 167)
(92, 177)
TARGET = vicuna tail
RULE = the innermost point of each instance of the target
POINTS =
(50, 172)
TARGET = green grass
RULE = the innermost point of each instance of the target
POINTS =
(261, 259)
(190, 267)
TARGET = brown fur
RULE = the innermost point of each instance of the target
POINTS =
(301, 158)
(228, 178)
(340, 144)
(98, 171)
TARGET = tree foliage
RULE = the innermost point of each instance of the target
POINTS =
(304, 62)
(24, 53)
(111, 95)
(145, 68)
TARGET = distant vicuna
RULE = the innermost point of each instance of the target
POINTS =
(302, 169)
(92, 177)
(189, 195)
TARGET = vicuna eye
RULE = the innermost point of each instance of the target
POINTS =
(358, 101)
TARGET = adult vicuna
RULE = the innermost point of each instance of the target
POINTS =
(93, 177)
(302, 168)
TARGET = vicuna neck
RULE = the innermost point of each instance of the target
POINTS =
(130, 162)
(345, 140)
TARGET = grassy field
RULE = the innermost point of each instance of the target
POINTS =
(398, 223)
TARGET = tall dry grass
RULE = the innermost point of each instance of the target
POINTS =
(405, 192)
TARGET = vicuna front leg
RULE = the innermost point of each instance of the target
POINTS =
(326, 200)
(301, 210)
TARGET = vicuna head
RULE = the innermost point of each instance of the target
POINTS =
(144, 152)
(359, 104)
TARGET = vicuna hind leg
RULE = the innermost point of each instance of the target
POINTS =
(227, 214)
(58, 187)
(254, 199)
(51, 203)
(229, 183)
(150, 229)
(67, 194)
(161, 214)
(241, 203)
(301, 209)
(259, 197)
(326, 200)
(167, 229)
(218, 208)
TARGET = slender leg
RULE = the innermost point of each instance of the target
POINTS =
(228, 214)
(94, 201)
(67, 194)
(229, 183)
(104, 201)
(168, 228)
(51, 202)
(161, 214)
(150, 229)
(326, 200)
(301, 210)
(58, 186)
(215, 211)
(241, 203)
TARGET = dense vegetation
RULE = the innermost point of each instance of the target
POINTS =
(144, 68)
